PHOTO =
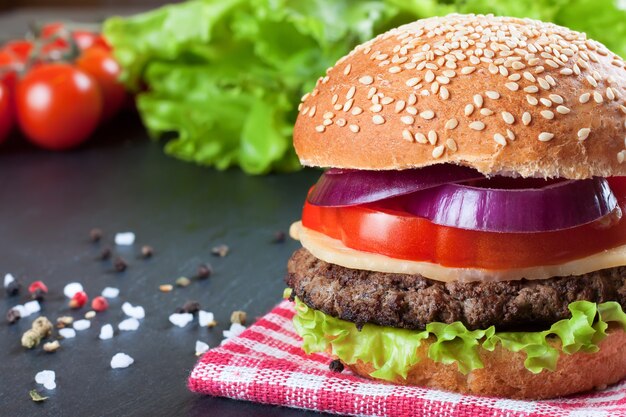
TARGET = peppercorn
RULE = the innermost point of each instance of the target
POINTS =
(95, 235)
(99, 304)
(13, 288)
(120, 264)
(336, 366)
(204, 271)
(191, 307)
(51, 346)
(78, 300)
(13, 315)
(279, 237)
(183, 282)
(41, 328)
(38, 295)
(220, 250)
(105, 254)
(147, 252)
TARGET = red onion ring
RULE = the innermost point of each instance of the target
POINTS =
(346, 187)
(557, 206)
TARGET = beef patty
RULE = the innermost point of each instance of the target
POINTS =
(412, 301)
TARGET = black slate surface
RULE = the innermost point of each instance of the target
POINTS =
(123, 182)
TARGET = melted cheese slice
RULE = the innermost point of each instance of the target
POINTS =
(335, 252)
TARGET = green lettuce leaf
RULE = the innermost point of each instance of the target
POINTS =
(392, 352)
(222, 79)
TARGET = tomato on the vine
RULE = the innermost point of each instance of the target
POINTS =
(58, 106)
(100, 64)
(84, 39)
(7, 113)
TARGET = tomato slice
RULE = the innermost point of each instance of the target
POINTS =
(404, 236)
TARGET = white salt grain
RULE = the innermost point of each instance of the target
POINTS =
(72, 288)
(106, 332)
(47, 379)
(32, 307)
(80, 325)
(110, 292)
(181, 319)
(129, 325)
(125, 238)
(136, 312)
(8, 279)
(205, 318)
(201, 347)
(121, 360)
(67, 333)
(235, 330)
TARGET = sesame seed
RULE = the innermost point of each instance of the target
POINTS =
(508, 118)
(467, 70)
(526, 118)
(493, 69)
(411, 110)
(513, 86)
(591, 81)
(563, 109)
(312, 111)
(348, 105)
(452, 124)
(547, 114)
(371, 93)
(366, 80)
(494, 95)
(543, 83)
(518, 65)
(478, 100)
(354, 128)
(443, 80)
(451, 144)
(395, 69)
(356, 111)
(406, 135)
(399, 106)
(320, 128)
(432, 137)
(545, 136)
(430, 76)
(444, 93)
(500, 139)
(407, 120)
(532, 100)
(510, 134)
(412, 82)
(327, 122)
(584, 133)
(566, 71)
(486, 112)
(438, 151)
(376, 108)
(531, 89)
(477, 125)
(378, 119)
(341, 122)
(420, 138)
(469, 109)
(622, 108)
(412, 99)
(610, 94)
(347, 69)
(545, 102)
(328, 115)
(515, 77)
(597, 97)
(351, 92)
(334, 99)
(584, 97)
(621, 155)
(427, 114)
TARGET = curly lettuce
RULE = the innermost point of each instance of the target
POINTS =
(392, 352)
(221, 79)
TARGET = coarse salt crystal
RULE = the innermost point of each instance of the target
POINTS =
(67, 333)
(32, 307)
(8, 279)
(201, 347)
(121, 360)
(205, 318)
(235, 330)
(110, 292)
(80, 325)
(136, 312)
(46, 378)
(72, 288)
(181, 319)
(106, 332)
(125, 238)
(130, 324)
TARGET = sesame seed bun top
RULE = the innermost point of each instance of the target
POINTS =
(506, 96)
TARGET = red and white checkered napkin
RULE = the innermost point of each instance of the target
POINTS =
(265, 364)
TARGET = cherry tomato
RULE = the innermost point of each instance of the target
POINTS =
(7, 113)
(101, 65)
(58, 106)
(83, 38)
(402, 235)
(20, 49)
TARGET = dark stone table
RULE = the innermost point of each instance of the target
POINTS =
(119, 182)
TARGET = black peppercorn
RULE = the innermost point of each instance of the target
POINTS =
(105, 254)
(120, 264)
(279, 237)
(13, 315)
(95, 235)
(191, 307)
(336, 366)
(147, 252)
(38, 295)
(204, 271)
(13, 288)
(221, 250)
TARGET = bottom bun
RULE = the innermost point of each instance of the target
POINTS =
(504, 374)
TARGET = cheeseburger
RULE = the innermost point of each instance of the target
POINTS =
(468, 234)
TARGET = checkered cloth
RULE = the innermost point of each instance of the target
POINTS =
(266, 364)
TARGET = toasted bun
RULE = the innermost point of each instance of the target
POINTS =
(504, 374)
(506, 96)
